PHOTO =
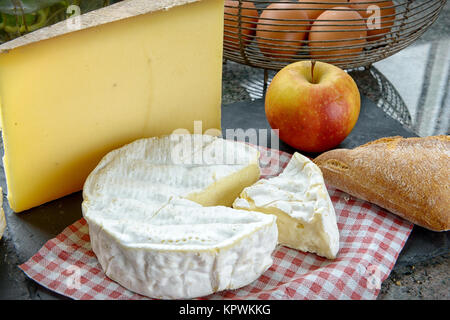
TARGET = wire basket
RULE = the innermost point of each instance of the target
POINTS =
(348, 34)
(371, 82)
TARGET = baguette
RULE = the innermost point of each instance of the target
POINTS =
(409, 177)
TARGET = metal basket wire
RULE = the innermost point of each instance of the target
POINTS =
(371, 82)
(272, 34)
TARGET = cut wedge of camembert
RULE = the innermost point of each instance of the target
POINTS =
(299, 199)
(158, 221)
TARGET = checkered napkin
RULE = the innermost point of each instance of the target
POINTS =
(370, 241)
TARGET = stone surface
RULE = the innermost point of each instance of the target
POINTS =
(427, 280)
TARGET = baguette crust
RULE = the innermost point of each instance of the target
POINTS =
(407, 176)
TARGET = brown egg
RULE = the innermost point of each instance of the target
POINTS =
(313, 10)
(278, 33)
(347, 28)
(368, 10)
(249, 17)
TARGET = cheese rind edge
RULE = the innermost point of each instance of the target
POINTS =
(114, 12)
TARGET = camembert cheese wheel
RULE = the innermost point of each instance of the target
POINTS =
(159, 222)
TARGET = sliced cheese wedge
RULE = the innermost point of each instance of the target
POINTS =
(299, 199)
(157, 222)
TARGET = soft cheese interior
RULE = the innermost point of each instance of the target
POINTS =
(151, 224)
(299, 199)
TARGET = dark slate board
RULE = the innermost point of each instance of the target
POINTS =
(28, 231)
(372, 123)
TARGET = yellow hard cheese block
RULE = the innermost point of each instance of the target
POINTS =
(68, 100)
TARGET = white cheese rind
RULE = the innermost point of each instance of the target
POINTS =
(159, 168)
(298, 197)
(179, 224)
(175, 273)
(149, 237)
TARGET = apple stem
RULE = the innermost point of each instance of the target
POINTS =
(313, 63)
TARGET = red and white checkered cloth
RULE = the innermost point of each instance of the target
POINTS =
(370, 242)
